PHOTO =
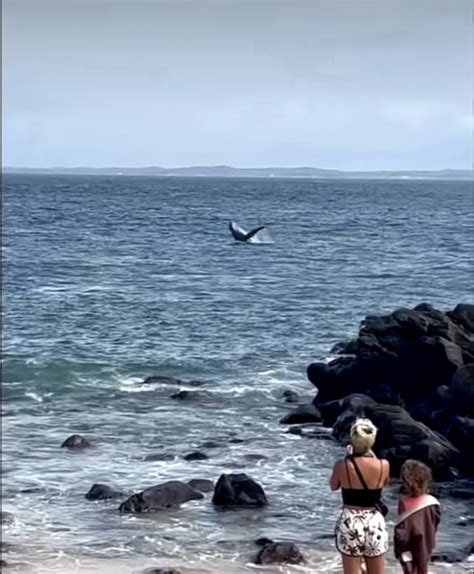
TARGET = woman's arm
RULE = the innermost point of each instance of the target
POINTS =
(335, 482)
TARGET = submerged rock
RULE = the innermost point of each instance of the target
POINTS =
(280, 553)
(76, 441)
(238, 490)
(196, 455)
(164, 570)
(102, 492)
(168, 495)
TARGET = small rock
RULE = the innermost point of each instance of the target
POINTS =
(280, 553)
(236, 440)
(452, 555)
(196, 455)
(201, 484)
(161, 571)
(76, 441)
(102, 492)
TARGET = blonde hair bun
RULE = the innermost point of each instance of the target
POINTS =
(363, 434)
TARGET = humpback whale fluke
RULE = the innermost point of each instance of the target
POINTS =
(241, 235)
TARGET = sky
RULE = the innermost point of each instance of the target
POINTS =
(340, 84)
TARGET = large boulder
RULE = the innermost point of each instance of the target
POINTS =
(452, 554)
(302, 414)
(462, 390)
(280, 553)
(168, 495)
(238, 490)
(399, 358)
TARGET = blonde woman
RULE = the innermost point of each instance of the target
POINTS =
(361, 534)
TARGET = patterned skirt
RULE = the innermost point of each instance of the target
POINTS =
(361, 532)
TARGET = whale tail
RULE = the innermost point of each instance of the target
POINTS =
(250, 234)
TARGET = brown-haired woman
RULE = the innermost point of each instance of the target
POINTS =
(361, 534)
(418, 520)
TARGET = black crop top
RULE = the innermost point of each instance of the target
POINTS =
(361, 496)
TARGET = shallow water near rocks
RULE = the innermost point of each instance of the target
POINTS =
(110, 280)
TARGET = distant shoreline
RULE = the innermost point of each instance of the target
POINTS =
(261, 173)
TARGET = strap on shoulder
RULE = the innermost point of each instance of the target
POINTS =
(359, 473)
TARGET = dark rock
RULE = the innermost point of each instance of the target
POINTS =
(3, 564)
(238, 490)
(290, 396)
(453, 555)
(167, 495)
(201, 484)
(102, 492)
(186, 395)
(159, 456)
(236, 440)
(76, 441)
(196, 455)
(302, 414)
(462, 390)
(280, 553)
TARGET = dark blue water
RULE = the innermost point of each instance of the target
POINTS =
(109, 280)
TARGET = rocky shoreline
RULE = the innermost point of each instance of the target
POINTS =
(410, 372)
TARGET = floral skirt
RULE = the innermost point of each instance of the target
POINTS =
(361, 532)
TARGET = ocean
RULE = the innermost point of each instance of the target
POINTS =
(109, 280)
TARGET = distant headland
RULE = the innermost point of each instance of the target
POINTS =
(253, 172)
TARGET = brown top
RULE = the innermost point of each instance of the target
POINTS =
(415, 533)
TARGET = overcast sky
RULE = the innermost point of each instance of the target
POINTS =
(349, 84)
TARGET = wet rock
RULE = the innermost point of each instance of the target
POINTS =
(462, 390)
(76, 441)
(236, 440)
(3, 564)
(452, 555)
(201, 484)
(102, 492)
(159, 456)
(168, 495)
(196, 455)
(303, 414)
(280, 553)
(238, 490)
